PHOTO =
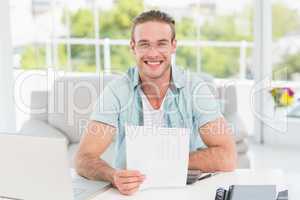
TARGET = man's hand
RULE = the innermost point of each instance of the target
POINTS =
(127, 181)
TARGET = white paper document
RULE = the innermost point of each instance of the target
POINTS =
(161, 154)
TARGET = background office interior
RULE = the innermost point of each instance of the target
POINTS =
(253, 45)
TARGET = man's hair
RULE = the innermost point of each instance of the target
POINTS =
(154, 16)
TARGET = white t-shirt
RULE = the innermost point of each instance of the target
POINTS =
(152, 117)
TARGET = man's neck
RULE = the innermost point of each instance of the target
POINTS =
(155, 89)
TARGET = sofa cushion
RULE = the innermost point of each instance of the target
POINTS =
(71, 102)
(236, 124)
(39, 105)
(242, 146)
(243, 161)
(42, 129)
(228, 96)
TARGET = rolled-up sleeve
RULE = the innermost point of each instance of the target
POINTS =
(106, 109)
(206, 107)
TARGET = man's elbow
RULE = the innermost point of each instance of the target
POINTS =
(230, 162)
(79, 161)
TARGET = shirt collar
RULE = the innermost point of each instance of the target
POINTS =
(178, 77)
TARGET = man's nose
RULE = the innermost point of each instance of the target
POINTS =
(152, 51)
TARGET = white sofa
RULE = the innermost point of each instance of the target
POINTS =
(64, 112)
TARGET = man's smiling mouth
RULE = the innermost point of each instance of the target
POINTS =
(154, 63)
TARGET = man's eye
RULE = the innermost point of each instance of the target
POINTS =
(163, 44)
(143, 45)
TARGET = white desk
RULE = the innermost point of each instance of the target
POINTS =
(205, 189)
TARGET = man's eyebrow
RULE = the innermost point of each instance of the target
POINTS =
(143, 41)
(161, 40)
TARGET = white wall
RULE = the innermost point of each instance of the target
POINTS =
(7, 109)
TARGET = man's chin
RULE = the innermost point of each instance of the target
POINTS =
(154, 72)
(153, 75)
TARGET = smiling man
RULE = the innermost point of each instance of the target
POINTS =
(154, 93)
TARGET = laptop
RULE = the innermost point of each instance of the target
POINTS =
(35, 168)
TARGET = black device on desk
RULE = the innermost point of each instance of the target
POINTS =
(196, 175)
(250, 192)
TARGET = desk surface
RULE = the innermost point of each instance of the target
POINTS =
(205, 189)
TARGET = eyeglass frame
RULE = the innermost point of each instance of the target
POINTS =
(154, 45)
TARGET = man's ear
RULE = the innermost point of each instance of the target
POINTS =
(174, 45)
(131, 44)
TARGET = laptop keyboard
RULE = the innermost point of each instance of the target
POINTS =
(78, 191)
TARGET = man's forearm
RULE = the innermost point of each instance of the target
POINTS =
(212, 159)
(94, 168)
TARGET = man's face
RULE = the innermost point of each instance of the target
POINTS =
(153, 46)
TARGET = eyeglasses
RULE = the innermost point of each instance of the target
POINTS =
(162, 46)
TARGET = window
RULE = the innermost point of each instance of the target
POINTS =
(90, 36)
(213, 37)
(286, 40)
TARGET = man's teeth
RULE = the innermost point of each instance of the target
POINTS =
(153, 62)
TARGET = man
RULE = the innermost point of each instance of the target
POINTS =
(157, 94)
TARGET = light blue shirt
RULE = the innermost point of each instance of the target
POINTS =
(188, 104)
